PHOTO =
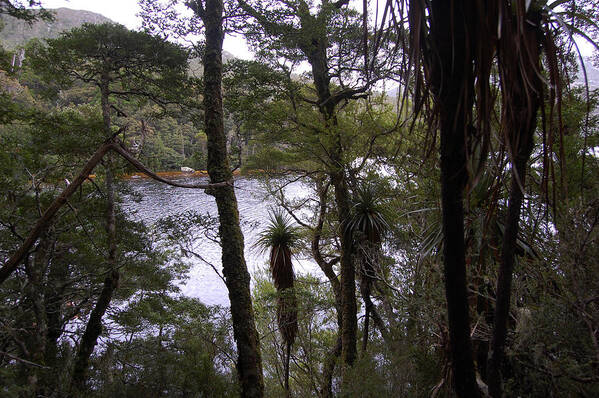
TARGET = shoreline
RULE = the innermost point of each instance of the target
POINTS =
(170, 174)
(178, 174)
(165, 174)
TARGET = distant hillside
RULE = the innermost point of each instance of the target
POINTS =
(16, 32)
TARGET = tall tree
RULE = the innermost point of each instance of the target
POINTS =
(120, 63)
(93, 328)
(295, 30)
(448, 51)
(456, 43)
(237, 278)
(526, 31)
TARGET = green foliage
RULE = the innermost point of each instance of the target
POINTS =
(175, 346)
(141, 64)
(553, 335)
(368, 214)
(279, 233)
(316, 334)
(249, 87)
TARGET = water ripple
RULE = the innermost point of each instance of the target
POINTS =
(159, 200)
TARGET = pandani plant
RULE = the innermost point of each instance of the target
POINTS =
(367, 225)
(280, 236)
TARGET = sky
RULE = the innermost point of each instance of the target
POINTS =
(125, 12)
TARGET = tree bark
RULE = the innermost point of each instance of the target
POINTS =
(92, 332)
(93, 328)
(327, 269)
(317, 57)
(452, 83)
(519, 55)
(329, 368)
(348, 273)
(94, 324)
(249, 365)
(368, 256)
(365, 290)
(287, 359)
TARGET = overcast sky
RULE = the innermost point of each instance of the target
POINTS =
(125, 12)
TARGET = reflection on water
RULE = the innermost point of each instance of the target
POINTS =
(160, 200)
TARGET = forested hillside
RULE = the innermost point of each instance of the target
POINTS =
(166, 144)
(442, 242)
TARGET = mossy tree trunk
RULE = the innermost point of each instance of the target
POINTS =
(337, 174)
(249, 364)
(349, 331)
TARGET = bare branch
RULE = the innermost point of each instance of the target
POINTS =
(49, 214)
(119, 148)
(26, 362)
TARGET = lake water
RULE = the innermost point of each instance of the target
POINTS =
(161, 200)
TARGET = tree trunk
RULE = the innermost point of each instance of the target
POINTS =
(452, 81)
(348, 273)
(519, 55)
(368, 256)
(92, 332)
(94, 324)
(249, 365)
(327, 269)
(329, 368)
(317, 57)
(287, 359)
(455, 279)
(366, 320)
(366, 274)
(370, 312)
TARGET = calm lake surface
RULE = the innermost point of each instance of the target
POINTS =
(160, 200)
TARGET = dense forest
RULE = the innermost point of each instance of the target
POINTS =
(448, 156)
